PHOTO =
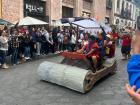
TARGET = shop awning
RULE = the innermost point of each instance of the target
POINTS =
(69, 20)
(87, 24)
(31, 21)
(4, 22)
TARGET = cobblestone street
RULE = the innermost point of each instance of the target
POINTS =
(21, 86)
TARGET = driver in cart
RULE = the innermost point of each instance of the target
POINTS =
(91, 50)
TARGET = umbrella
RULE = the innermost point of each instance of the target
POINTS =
(27, 21)
(87, 24)
(4, 22)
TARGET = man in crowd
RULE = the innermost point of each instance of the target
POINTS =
(3, 49)
(133, 69)
(134, 72)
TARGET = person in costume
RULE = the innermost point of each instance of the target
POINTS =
(91, 50)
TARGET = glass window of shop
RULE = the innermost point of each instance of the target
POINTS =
(35, 8)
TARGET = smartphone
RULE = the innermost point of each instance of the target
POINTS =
(138, 23)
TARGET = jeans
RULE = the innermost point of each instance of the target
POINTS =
(73, 47)
(2, 56)
(14, 56)
(50, 47)
(65, 47)
(60, 46)
(27, 52)
(38, 48)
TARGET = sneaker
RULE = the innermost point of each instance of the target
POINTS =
(18, 62)
(26, 58)
(29, 58)
(56, 53)
(4, 66)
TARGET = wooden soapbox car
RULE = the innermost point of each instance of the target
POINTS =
(80, 60)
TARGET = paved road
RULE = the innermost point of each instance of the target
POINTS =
(21, 86)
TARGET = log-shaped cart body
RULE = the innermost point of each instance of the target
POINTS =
(81, 61)
(72, 72)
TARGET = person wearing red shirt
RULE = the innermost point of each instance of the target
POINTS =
(126, 46)
(115, 35)
(92, 52)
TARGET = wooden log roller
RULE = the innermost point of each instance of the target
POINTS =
(71, 77)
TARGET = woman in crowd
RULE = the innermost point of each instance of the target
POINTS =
(60, 37)
(126, 46)
(73, 41)
(33, 42)
(66, 42)
(27, 46)
(3, 49)
(85, 40)
(21, 47)
(44, 43)
(50, 42)
(14, 46)
(38, 37)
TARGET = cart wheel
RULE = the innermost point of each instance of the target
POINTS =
(114, 68)
(88, 85)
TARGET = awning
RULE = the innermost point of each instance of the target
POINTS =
(4, 22)
(31, 21)
(87, 24)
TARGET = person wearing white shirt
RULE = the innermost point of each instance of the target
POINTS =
(60, 37)
(73, 41)
(3, 49)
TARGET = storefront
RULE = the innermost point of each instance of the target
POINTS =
(36, 9)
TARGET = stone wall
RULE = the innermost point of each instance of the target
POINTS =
(12, 10)
(99, 9)
(55, 10)
(0, 8)
(87, 5)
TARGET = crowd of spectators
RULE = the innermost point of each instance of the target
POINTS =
(28, 43)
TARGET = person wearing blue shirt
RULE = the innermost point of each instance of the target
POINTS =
(133, 69)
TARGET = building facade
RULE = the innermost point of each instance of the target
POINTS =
(76, 8)
(109, 12)
(49, 10)
(124, 12)
(14, 10)
(0, 8)
(137, 11)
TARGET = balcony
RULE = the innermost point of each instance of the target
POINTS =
(109, 4)
(126, 15)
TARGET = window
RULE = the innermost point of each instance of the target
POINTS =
(118, 3)
(109, 4)
(67, 12)
(117, 21)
